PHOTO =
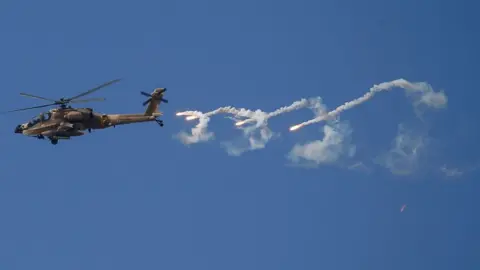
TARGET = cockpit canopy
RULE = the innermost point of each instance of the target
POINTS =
(40, 118)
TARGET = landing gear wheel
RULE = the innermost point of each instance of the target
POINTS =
(54, 141)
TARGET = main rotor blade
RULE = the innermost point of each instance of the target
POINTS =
(87, 100)
(146, 94)
(29, 108)
(94, 89)
(33, 96)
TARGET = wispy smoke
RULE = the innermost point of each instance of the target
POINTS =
(200, 132)
(420, 91)
(334, 145)
(451, 172)
(402, 159)
(404, 156)
(257, 134)
(359, 166)
(457, 172)
(331, 148)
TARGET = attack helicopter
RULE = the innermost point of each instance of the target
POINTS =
(65, 121)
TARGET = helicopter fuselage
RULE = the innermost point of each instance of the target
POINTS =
(65, 122)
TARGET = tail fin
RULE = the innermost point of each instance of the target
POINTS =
(154, 101)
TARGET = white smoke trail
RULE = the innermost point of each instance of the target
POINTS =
(199, 133)
(258, 140)
(334, 145)
(261, 117)
(422, 92)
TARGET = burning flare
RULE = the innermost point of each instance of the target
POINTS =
(191, 117)
(293, 128)
(241, 123)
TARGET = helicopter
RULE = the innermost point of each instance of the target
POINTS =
(65, 121)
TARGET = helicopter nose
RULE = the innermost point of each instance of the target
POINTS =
(18, 129)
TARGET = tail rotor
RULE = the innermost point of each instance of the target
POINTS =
(156, 95)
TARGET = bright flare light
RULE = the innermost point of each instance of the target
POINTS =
(191, 117)
(240, 123)
(295, 127)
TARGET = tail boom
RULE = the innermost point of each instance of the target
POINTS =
(123, 119)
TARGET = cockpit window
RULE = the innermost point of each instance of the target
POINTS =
(34, 121)
(42, 117)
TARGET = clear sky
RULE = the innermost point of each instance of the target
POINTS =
(137, 197)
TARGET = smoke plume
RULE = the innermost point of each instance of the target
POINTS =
(334, 144)
(257, 135)
(336, 141)
(404, 156)
(421, 92)
(200, 132)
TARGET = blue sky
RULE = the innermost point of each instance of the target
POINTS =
(137, 197)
